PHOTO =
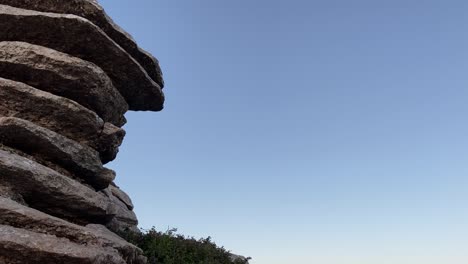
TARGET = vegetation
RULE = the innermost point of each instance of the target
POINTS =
(172, 248)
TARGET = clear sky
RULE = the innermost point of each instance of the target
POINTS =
(303, 132)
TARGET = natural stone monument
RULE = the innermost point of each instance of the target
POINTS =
(68, 74)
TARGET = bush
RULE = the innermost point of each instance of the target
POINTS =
(172, 248)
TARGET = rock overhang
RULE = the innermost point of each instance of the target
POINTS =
(91, 10)
(79, 37)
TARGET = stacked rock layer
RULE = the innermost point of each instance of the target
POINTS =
(68, 74)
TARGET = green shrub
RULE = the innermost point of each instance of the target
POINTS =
(172, 248)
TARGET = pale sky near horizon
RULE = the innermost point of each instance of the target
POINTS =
(303, 132)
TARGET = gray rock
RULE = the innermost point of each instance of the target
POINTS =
(63, 75)
(19, 216)
(7, 191)
(130, 252)
(49, 191)
(68, 74)
(123, 218)
(60, 115)
(45, 144)
(109, 141)
(23, 246)
(79, 37)
(121, 195)
(92, 11)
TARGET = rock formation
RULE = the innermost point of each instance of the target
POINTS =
(68, 74)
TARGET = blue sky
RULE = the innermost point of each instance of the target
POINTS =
(331, 132)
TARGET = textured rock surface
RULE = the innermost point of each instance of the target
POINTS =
(92, 11)
(77, 36)
(68, 74)
(60, 115)
(124, 218)
(46, 189)
(22, 246)
(45, 145)
(121, 195)
(63, 75)
(20, 216)
(109, 141)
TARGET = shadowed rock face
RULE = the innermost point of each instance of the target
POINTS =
(92, 11)
(60, 115)
(63, 75)
(122, 196)
(80, 160)
(48, 190)
(68, 74)
(77, 36)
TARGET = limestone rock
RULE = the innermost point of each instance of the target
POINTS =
(22, 246)
(109, 141)
(8, 192)
(121, 195)
(19, 216)
(130, 252)
(77, 36)
(92, 11)
(63, 75)
(124, 218)
(49, 191)
(68, 74)
(44, 144)
(60, 115)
